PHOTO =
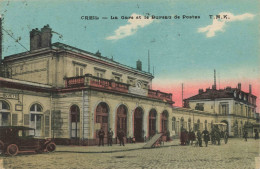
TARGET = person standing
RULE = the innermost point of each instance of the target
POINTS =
(256, 134)
(182, 137)
(120, 136)
(206, 136)
(226, 136)
(192, 137)
(110, 137)
(101, 135)
(245, 134)
(212, 134)
(199, 136)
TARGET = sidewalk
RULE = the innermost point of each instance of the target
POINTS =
(109, 149)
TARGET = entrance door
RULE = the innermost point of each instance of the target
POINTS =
(122, 119)
(102, 119)
(164, 122)
(152, 123)
(138, 124)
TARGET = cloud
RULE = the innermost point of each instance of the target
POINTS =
(131, 28)
(219, 24)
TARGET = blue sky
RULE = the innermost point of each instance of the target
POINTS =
(182, 50)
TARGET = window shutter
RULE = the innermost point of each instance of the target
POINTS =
(47, 125)
(14, 119)
(26, 119)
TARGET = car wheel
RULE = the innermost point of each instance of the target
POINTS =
(12, 149)
(1, 148)
(50, 147)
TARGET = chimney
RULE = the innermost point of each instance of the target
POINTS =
(46, 36)
(139, 65)
(200, 91)
(239, 86)
(35, 39)
(250, 88)
(98, 54)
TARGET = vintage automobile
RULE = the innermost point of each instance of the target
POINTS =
(18, 139)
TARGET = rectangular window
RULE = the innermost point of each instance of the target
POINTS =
(77, 71)
(199, 106)
(81, 72)
(224, 108)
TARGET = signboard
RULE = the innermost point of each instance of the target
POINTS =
(10, 96)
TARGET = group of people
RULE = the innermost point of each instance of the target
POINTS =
(215, 135)
(110, 133)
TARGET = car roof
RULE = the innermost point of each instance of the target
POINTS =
(16, 127)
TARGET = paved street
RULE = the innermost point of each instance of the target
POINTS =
(236, 154)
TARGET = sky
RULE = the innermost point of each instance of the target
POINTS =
(183, 49)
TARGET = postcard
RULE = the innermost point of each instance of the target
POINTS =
(129, 84)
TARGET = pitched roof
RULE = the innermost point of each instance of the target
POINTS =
(213, 94)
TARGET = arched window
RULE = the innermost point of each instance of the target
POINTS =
(173, 123)
(152, 122)
(36, 119)
(121, 119)
(74, 121)
(36, 108)
(189, 124)
(4, 105)
(4, 113)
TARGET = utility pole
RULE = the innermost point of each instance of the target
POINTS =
(182, 95)
(148, 61)
(1, 39)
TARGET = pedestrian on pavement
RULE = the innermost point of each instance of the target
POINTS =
(245, 134)
(110, 137)
(101, 135)
(226, 137)
(206, 136)
(133, 139)
(199, 137)
(256, 134)
(212, 134)
(121, 136)
(192, 136)
(183, 136)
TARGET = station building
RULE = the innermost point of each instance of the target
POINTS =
(232, 106)
(69, 94)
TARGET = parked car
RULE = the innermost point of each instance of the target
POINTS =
(17, 139)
